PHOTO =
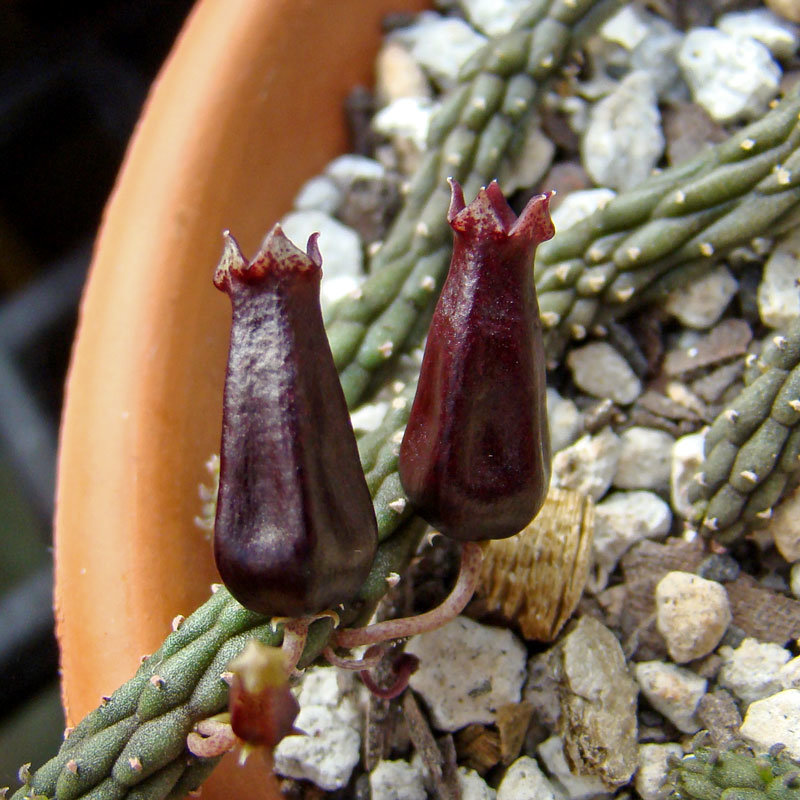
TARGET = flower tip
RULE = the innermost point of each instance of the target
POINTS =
(535, 220)
(312, 249)
(456, 200)
(232, 262)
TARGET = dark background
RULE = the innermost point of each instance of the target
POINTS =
(73, 78)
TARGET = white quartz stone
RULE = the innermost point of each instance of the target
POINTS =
(673, 691)
(467, 671)
(624, 141)
(644, 459)
(396, 780)
(752, 671)
(692, 614)
(588, 465)
(774, 720)
(732, 77)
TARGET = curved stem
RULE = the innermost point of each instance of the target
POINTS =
(453, 605)
(213, 737)
(372, 658)
(295, 632)
(403, 668)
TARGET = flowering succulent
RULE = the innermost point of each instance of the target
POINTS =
(295, 530)
(475, 457)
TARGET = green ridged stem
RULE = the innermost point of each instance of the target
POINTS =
(709, 774)
(752, 449)
(673, 226)
(478, 125)
(148, 718)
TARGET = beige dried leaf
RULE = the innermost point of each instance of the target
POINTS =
(535, 578)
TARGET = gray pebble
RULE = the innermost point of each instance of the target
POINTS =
(778, 292)
(752, 670)
(602, 372)
(441, 45)
(692, 615)
(589, 465)
(319, 194)
(623, 140)
(701, 302)
(564, 420)
(672, 691)
(644, 459)
(396, 780)
(622, 520)
(774, 720)
(731, 77)
(763, 25)
(494, 17)
(719, 567)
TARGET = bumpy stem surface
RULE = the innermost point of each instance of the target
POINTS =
(479, 124)
(752, 450)
(673, 226)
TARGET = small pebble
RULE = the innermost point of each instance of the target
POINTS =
(719, 567)
(785, 527)
(349, 168)
(598, 699)
(325, 753)
(622, 520)
(656, 56)
(644, 459)
(340, 246)
(570, 785)
(764, 26)
(624, 141)
(794, 580)
(397, 74)
(494, 17)
(731, 77)
(467, 671)
(527, 166)
(701, 302)
(589, 465)
(405, 122)
(689, 130)
(369, 416)
(788, 9)
(774, 720)
(778, 293)
(319, 194)
(687, 457)
(672, 691)
(441, 45)
(396, 780)
(628, 27)
(789, 674)
(525, 781)
(579, 205)
(602, 372)
(692, 615)
(564, 420)
(653, 768)
(752, 670)
(541, 691)
(472, 786)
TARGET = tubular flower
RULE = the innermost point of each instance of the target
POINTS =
(475, 457)
(295, 530)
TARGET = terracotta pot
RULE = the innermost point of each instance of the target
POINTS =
(248, 106)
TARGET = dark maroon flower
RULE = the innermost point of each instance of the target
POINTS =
(475, 458)
(295, 530)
